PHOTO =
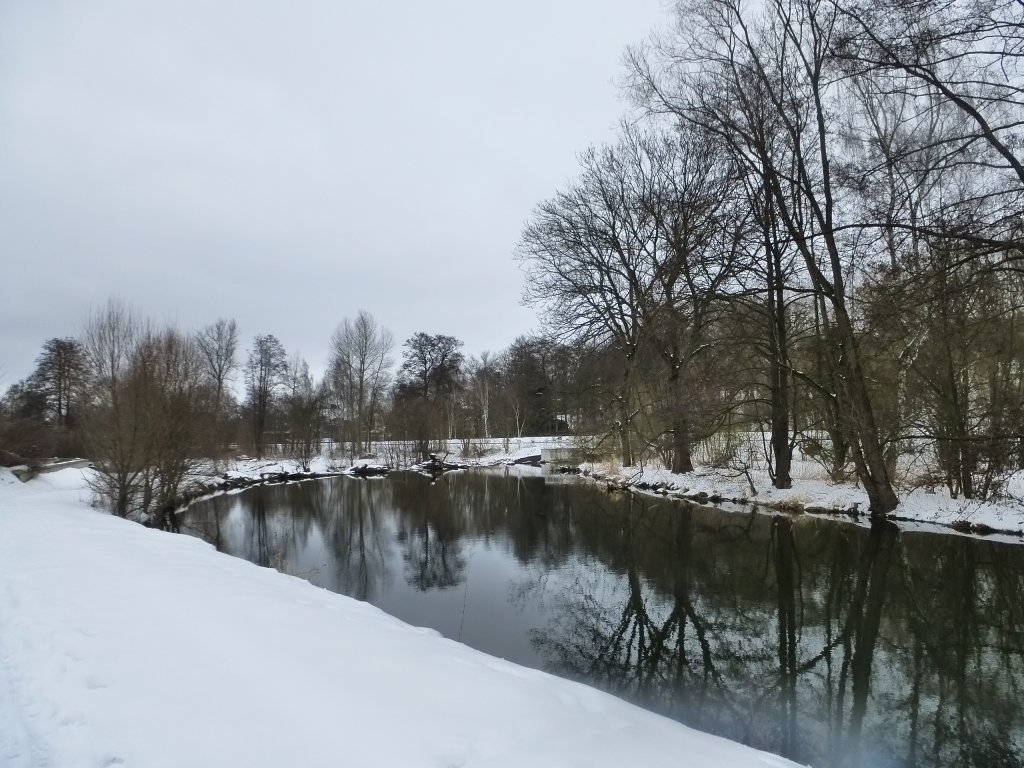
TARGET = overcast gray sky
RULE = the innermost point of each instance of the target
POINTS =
(288, 163)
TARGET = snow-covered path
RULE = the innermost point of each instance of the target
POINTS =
(121, 645)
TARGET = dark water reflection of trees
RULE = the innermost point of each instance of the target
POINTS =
(828, 643)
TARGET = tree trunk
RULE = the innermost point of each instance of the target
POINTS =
(682, 458)
(872, 470)
(625, 443)
(625, 438)
(782, 453)
(682, 440)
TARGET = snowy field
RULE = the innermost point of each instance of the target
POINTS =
(122, 645)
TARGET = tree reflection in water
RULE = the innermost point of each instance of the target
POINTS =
(430, 534)
(831, 644)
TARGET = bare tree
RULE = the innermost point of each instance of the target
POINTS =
(360, 371)
(169, 364)
(968, 54)
(146, 409)
(431, 364)
(264, 372)
(429, 380)
(218, 346)
(694, 200)
(303, 405)
(725, 67)
(116, 434)
(637, 253)
(585, 253)
(481, 375)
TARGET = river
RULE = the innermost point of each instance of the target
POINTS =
(830, 643)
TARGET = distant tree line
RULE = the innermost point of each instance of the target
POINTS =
(149, 404)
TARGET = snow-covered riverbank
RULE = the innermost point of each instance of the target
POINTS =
(749, 482)
(815, 495)
(812, 492)
(121, 645)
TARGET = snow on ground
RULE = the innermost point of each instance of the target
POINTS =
(122, 645)
(250, 468)
(475, 452)
(812, 492)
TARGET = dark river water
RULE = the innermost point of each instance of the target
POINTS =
(829, 643)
